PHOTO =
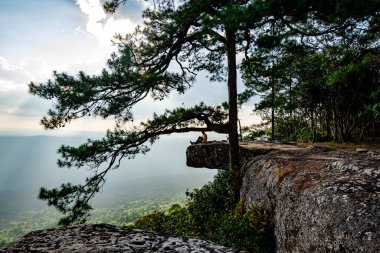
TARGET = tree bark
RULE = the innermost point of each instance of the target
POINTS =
(313, 132)
(272, 116)
(273, 91)
(328, 123)
(232, 98)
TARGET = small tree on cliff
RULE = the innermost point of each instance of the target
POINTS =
(196, 36)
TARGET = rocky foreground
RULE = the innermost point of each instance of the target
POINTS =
(107, 238)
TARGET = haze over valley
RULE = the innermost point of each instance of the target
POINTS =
(29, 162)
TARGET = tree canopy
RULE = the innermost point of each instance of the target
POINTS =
(323, 79)
(279, 41)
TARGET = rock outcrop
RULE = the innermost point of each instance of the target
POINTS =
(211, 155)
(321, 200)
(215, 154)
(107, 238)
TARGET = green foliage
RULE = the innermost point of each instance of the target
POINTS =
(323, 88)
(13, 228)
(5, 239)
(306, 135)
(254, 132)
(211, 213)
(251, 231)
(175, 221)
(208, 205)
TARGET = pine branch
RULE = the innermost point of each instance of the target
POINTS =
(74, 200)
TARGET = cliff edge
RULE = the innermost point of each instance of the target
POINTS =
(321, 200)
(215, 154)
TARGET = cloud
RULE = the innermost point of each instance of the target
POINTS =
(103, 26)
(18, 76)
(38, 67)
(18, 103)
(12, 76)
(131, 9)
(10, 100)
(78, 37)
(14, 98)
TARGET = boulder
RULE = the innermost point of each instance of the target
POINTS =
(108, 238)
(322, 200)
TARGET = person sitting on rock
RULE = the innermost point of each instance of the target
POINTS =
(201, 139)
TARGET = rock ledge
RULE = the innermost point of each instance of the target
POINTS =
(108, 238)
(215, 154)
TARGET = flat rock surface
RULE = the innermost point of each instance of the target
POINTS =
(215, 154)
(108, 238)
(322, 200)
(266, 147)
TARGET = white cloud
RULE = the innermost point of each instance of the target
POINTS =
(37, 67)
(15, 102)
(10, 100)
(102, 26)
(12, 77)
(16, 77)
(92, 8)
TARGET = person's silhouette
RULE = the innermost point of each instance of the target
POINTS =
(201, 139)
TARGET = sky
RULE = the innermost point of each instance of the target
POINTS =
(39, 36)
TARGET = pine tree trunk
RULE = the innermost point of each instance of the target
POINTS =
(313, 132)
(273, 91)
(328, 124)
(272, 120)
(232, 98)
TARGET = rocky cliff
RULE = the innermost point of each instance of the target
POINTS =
(321, 200)
(108, 239)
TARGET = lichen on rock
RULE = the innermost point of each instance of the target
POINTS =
(215, 154)
(321, 200)
(212, 155)
(108, 238)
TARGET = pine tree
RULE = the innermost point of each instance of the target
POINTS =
(195, 35)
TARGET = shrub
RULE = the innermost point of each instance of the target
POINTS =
(214, 213)
(208, 205)
(175, 221)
